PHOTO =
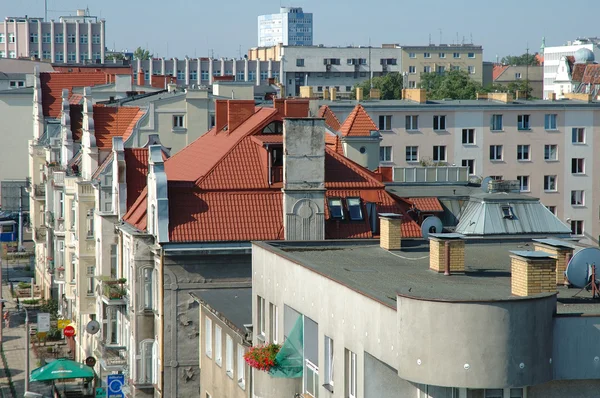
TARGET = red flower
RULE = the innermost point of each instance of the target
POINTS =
(262, 357)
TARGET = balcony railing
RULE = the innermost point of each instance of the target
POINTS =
(111, 356)
(113, 291)
(59, 177)
(39, 191)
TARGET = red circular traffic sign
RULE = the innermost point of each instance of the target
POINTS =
(69, 331)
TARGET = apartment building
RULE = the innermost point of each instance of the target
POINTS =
(441, 58)
(548, 146)
(553, 55)
(290, 27)
(478, 297)
(72, 39)
(505, 75)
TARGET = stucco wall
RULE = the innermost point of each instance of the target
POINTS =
(563, 389)
(382, 381)
(17, 128)
(576, 353)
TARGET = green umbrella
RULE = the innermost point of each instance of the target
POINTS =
(61, 369)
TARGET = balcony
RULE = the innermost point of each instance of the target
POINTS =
(39, 191)
(39, 235)
(113, 291)
(110, 356)
(59, 274)
(59, 178)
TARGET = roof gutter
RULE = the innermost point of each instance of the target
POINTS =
(207, 248)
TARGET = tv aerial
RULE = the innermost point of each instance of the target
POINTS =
(431, 225)
(92, 327)
(581, 271)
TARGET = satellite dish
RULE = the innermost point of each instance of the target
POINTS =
(579, 269)
(485, 184)
(431, 225)
(92, 327)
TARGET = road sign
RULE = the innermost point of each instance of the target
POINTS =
(90, 361)
(100, 392)
(115, 384)
(69, 331)
(43, 322)
(63, 323)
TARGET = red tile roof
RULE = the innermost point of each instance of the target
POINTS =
(333, 141)
(591, 75)
(539, 58)
(331, 119)
(136, 172)
(498, 70)
(219, 190)
(577, 72)
(52, 84)
(431, 205)
(75, 99)
(358, 123)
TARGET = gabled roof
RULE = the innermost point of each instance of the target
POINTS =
(358, 123)
(577, 72)
(331, 119)
(498, 70)
(136, 172)
(52, 84)
(431, 205)
(219, 189)
(591, 75)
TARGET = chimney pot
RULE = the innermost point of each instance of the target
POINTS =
(390, 225)
(562, 251)
(447, 253)
(532, 272)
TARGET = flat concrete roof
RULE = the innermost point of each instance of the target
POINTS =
(382, 275)
(469, 103)
(233, 304)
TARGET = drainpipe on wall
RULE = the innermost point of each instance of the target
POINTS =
(447, 258)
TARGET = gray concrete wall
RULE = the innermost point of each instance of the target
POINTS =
(370, 157)
(576, 352)
(476, 345)
(17, 128)
(182, 275)
(382, 381)
(564, 389)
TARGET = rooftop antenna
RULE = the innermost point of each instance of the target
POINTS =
(370, 70)
(471, 35)
(440, 29)
(457, 38)
(463, 42)
(527, 73)
(430, 39)
(45, 10)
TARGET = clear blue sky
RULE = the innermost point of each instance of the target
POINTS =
(195, 27)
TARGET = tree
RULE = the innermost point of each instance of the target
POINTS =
(454, 84)
(115, 56)
(522, 86)
(524, 59)
(141, 53)
(390, 86)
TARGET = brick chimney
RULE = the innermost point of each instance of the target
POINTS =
(238, 111)
(141, 78)
(390, 225)
(375, 94)
(562, 252)
(326, 94)
(221, 109)
(333, 93)
(443, 247)
(306, 92)
(359, 94)
(297, 108)
(532, 272)
(279, 104)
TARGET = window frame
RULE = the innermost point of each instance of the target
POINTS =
(240, 367)
(385, 123)
(577, 228)
(550, 121)
(494, 122)
(521, 153)
(229, 366)
(412, 153)
(470, 163)
(261, 315)
(358, 206)
(178, 121)
(208, 349)
(548, 151)
(351, 367)
(578, 198)
(578, 166)
(496, 153)
(218, 345)
(329, 361)
(333, 203)
(468, 136)
(411, 123)
(550, 183)
(578, 136)
(522, 186)
(300, 62)
(274, 323)
(386, 154)
(441, 150)
(439, 122)
(524, 122)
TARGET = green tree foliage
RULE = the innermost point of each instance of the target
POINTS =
(115, 56)
(524, 59)
(141, 53)
(454, 84)
(390, 86)
(521, 86)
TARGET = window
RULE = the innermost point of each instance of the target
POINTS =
(523, 152)
(426, 55)
(468, 136)
(61, 205)
(264, 75)
(148, 287)
(470, 163)
(494, 393)
(442, 55)
(83, 56)
(439, 122)
(577, 227)
(496, 124)
(180, 74)
(412, 55)
(96, 38)
(229, 356)
(71, 38)
(523, 122)
(58, 38)
(348, 88)
(300, 62)
(412, 84)
(351, 371)
(550, 121)
(90, 223)
(73, 269)
(471, 55)
(71, 56)
(46, 38)
(96, 55)
(550, 183)
(426, 69)
(11, 37)
(329, 361)
(577, 197)
(516, 393)
(1, 37)
(456, 55)
(507, 212)
(497, 178)
(412, 153)
(205, 76)
(441, 69)
(550, 152)
(147, 349)
(12, 54)
(471, 69)
(495, 152)
(90, 286)
(552, 209)
(439, 153)
(2, 54)
(178, 121)
(241, 374)
(335, 208)
(389, 61)
(412, 69)
(208, 337)
(518, 75)
(251, 76)
(59, 57)
(261, 315)
(311, 378)
(193, 75)
(385, 154)
(83, 39)
(274, 328)
(578, 135)
(412, 122)
(354, 209)
(33, 38)
(218, 346)
(523, 183)
(46, 54)
(73, 209)
(577, 165)
(385, 122)
(455, 67)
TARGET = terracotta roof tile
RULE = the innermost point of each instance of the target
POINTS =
(498, 70)
(75, 99)
(331, 119)
(52, 84)
(358, 123)
(591, 74)
(136, 214)
(268, 139)
(432, 205)
(577, 72)
(333, 141)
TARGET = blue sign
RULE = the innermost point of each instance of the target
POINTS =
(115, 384)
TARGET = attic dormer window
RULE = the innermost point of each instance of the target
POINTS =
(335, 208)
(507, 212)
(273, 128)
(354, 209)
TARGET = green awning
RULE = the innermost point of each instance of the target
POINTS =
(60, 369)
(289, 361)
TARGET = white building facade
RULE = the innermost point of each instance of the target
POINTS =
(292, 26)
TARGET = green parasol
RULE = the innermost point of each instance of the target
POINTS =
(61, 369)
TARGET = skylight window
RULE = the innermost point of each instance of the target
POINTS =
(354, 209)
(275, 127)
(507, 212)
(335, 208)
